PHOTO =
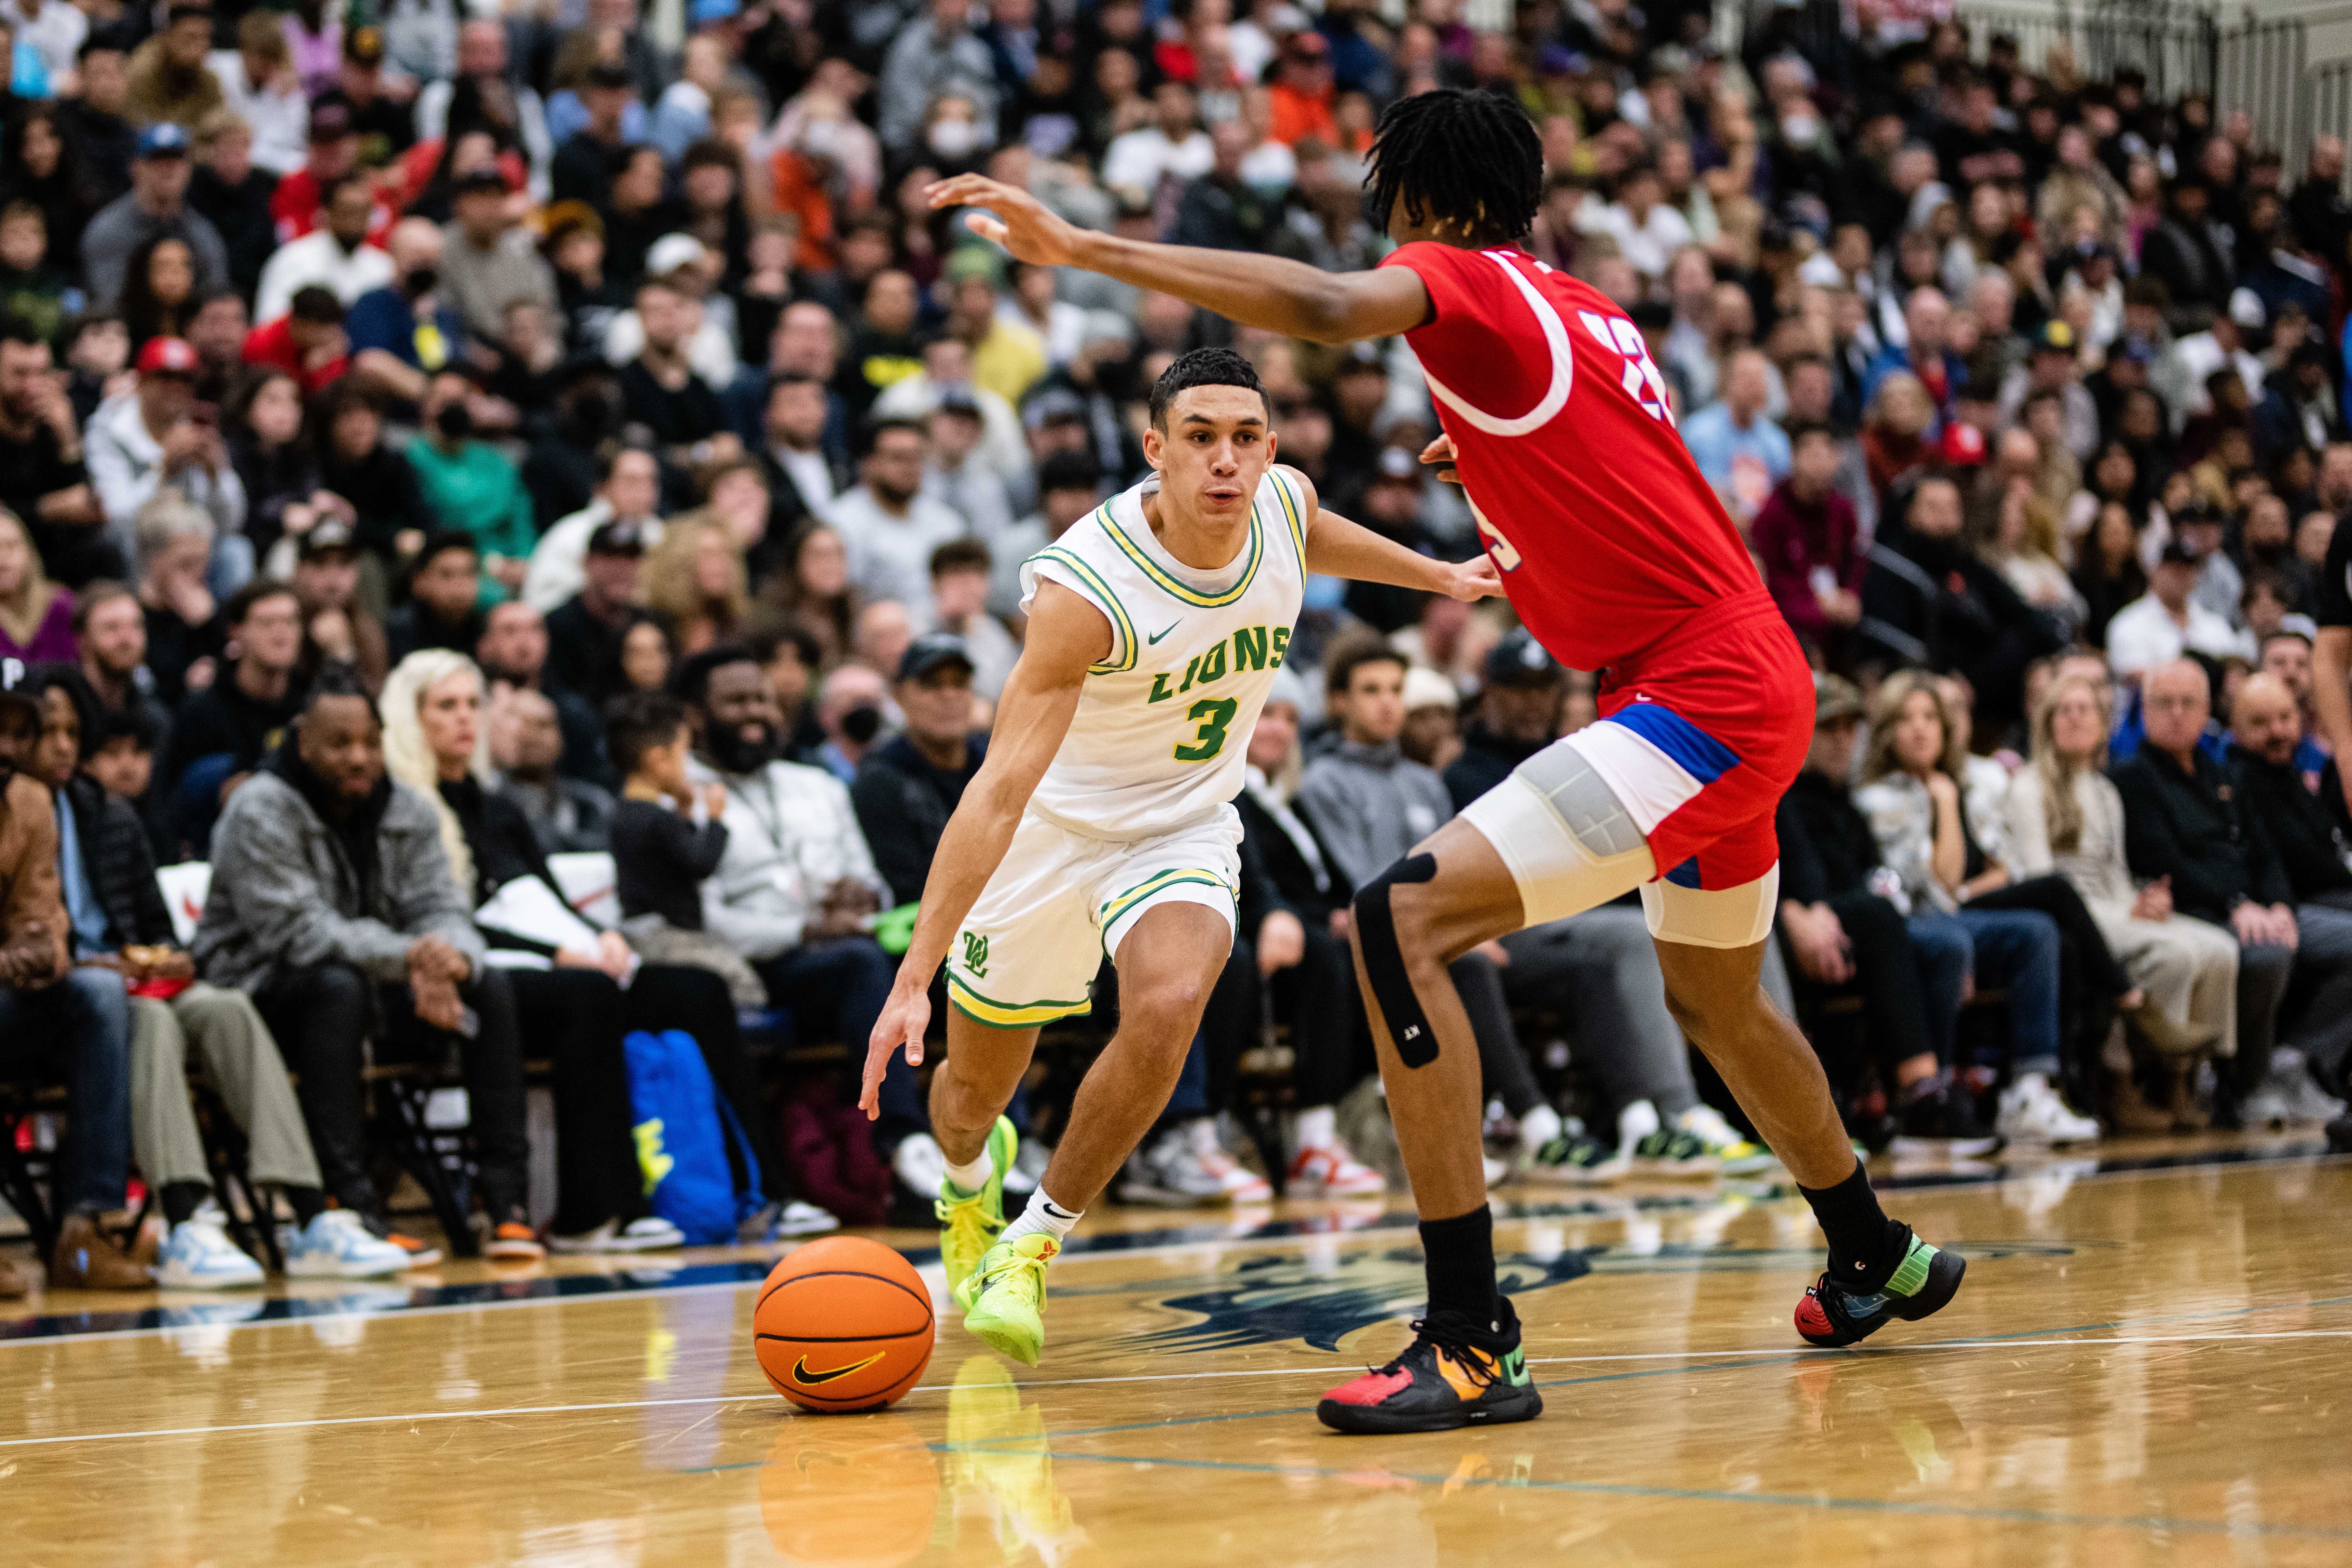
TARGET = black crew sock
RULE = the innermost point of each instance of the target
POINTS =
(308, 1204)
(1864, 1244)
(181, 1199)
(1459, 1259)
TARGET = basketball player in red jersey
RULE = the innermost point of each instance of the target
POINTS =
(1619, 557)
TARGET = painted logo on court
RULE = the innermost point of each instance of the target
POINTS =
(1266, 1300)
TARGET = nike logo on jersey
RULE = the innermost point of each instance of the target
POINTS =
(803, 1375)
(1154, 639)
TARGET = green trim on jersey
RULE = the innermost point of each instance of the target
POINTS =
(1161, 577)
(1104, 600)
(1119, 904)
(1290, 505)
(998, 1015)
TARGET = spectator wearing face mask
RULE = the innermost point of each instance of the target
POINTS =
(472, 486)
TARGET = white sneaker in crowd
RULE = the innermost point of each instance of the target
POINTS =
(1330, 1170)
(794, 1217)
(1167, 1174)
(198, 1255)
(1733, 1155)
(2031, 1113)
(1241, 1185)
(919, 1163)
(338, 1244)
(651, 1233)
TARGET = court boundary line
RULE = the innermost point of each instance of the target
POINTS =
(1097, 1248)
(1728, 1359)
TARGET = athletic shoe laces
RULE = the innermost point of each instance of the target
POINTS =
(1458, 1342)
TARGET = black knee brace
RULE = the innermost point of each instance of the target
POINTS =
(1392, 993)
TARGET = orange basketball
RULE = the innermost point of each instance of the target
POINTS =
(842, 1324)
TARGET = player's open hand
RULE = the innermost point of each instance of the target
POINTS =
(1013, 218)
(903, 1021)
(1475, 579)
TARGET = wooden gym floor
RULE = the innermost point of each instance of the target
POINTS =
(2152, 1363)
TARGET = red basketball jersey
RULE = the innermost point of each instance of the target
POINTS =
(1606, 535)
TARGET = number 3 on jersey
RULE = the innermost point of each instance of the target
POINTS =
(1212, 714)
(1641, 381)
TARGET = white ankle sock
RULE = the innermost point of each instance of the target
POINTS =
(1318, 1127)
(1538, 1127)
(972, 1176)
(1044, 1214)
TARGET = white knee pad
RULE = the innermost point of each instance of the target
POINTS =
(1723, 916)
(1569, 842)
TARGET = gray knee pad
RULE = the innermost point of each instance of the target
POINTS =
(1392, 993)
(1591, 810)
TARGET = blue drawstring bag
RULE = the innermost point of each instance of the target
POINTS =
(682, 1126)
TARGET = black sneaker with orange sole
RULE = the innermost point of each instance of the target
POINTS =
(1456, 1372)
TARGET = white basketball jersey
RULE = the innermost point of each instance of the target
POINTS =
(1163, 722)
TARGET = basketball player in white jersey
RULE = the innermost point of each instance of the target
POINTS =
(1100, 823)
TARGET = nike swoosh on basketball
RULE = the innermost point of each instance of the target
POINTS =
(803, 1375)
(1154, 639)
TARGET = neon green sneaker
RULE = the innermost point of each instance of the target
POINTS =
(1005, 1296)
(969, 1223)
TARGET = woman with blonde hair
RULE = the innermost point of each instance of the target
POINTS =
(2065, 817)
(695, 579)
(570, 999)
(36, 614)
(1911, 795)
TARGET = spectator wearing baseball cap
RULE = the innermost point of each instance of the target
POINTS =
(155, 207)
(150, 438)
(168, 80)
(334, 152)
(908, 786)
(385, 128)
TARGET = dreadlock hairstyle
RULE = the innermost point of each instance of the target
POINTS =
(1470, 158)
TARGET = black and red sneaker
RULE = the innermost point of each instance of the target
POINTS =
(1456, 1372)
(1830, 1315)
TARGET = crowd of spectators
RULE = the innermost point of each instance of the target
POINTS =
(431, 443)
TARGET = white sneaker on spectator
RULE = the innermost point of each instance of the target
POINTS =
(1734, 1155)
(1330, 1170)
(794, 1217)
(1241, 1185)
(1167, 1174)
(2031, 1113)
(2306, 1101)
(198, 1255)
(338, 1244)
(919, 1163)
(651, 1233)
(1029, 1163)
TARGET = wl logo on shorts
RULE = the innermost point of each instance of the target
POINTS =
(975, 955)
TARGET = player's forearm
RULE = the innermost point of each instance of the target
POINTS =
(971, 848)
(2331, 689)
(1339, 548)
(1269, 291)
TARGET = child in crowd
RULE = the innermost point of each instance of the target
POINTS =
(31, 288)
(660, 855)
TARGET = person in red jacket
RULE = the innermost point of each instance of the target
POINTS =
(1809, 544)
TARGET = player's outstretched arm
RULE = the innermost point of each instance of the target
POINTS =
(1067, 636)
(1339, 548)
(1286, 297)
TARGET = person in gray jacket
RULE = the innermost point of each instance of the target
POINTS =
(1369, 806)
(331, 902)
